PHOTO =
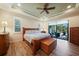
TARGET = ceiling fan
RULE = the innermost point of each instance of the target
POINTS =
(46, 8)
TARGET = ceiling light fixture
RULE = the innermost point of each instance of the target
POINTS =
(18, 4)
(69, 6)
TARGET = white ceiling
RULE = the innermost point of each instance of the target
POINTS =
(31, 9)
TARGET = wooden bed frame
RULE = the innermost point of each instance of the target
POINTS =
(35, 44)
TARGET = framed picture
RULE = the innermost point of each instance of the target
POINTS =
(17, 24)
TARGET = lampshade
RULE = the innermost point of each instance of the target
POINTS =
(4, 23)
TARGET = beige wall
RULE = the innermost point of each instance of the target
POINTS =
(43, 26)
(29, 22)
(74, 21)
(25, 22)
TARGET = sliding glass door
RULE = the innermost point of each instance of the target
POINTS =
(59, 31)
(52, 30)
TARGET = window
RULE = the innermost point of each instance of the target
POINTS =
(17, 25)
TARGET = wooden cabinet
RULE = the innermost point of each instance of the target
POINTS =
(4, 43)
(74, 35)
(48, 45)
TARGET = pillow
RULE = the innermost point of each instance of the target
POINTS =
(36, 31)
(28, 32)
(32, 31)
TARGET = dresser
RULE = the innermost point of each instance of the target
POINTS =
(4, 43)
(74, 35)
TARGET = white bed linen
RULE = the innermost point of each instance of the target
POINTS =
(36, 36)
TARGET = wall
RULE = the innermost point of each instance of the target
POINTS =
(25, 22)
(30, 22)
(73, 22)
(43, 26)
(61, 21)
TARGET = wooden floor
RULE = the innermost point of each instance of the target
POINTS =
(64, 48)
(19, 49)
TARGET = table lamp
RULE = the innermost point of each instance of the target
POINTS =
(4, 24)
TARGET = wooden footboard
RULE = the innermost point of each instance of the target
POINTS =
(35, 44)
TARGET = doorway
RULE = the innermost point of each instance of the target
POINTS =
(59, 30)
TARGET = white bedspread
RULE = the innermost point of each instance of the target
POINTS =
(36, 36)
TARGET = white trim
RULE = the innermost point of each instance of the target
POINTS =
(14, 24)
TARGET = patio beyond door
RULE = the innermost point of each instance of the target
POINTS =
(59, 31)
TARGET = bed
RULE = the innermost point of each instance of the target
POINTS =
(32, 36)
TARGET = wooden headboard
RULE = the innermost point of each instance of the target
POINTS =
(27, 29)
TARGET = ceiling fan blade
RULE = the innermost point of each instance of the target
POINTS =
(46, 5)
(42, 12)
(40, 8)
(50, 8)
(47, 12)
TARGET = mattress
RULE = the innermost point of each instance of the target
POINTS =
(35, 36)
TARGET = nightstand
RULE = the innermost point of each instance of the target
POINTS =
(4, 43)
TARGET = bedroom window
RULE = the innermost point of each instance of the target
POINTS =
(17, 25)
